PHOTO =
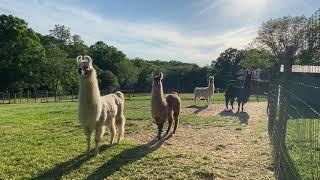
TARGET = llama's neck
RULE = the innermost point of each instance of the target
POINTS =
(89, 92)
(157, 93)
(247, 84)
(211, 85)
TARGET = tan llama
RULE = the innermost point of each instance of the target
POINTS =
(164, 108)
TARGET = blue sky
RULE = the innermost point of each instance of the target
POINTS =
(190, 31)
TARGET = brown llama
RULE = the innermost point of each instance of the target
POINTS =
(163, 108)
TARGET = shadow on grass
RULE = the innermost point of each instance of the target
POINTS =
(198, 108)
(68, 166)
(242, 116)
(126, 157)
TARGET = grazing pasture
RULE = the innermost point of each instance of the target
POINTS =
(42, 140)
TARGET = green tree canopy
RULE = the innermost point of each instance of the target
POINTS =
(22, 54)
(60, 71)
(61, 33)
(256, 59)
(226, 68)
(283, 37)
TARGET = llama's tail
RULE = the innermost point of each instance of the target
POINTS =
(120, 95)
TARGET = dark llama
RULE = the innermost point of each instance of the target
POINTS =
(241, 93)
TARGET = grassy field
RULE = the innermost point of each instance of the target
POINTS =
(44, 140)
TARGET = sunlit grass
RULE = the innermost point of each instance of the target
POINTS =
(45, 140)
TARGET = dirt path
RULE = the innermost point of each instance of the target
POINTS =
(239, 146)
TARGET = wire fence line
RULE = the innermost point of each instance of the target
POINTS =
(43, 96)
(294, 127)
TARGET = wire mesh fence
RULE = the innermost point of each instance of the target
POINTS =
(294, 126)
(43, 96)
(294, 113)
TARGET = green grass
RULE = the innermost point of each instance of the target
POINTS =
(45, 140)
(303, 142)
(42, 140)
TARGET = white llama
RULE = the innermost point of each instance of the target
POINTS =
(205, 92)
(95, 111)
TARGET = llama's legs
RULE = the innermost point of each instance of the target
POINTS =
(232, 101)
(113, 131)
(242, 107)
(239, 103)
(170, 120)
(120, 126)
(176, 120)
(160, 126)
(196, 100)
(227, 102)
(88, 133)
(99, 133)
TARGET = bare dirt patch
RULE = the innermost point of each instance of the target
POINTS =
(238, 147)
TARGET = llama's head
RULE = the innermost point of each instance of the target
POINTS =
(157, 80)
(211, 79)
(85, 67)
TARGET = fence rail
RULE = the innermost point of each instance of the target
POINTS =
(46, 96)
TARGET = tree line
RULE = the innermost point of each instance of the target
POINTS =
(32, 61)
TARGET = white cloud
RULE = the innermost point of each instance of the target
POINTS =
(244, 10)
(146, 40)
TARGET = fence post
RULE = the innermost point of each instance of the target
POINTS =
(35, 97)
(281, 124)
(2, 98)
(71, 95)
(20, 96)
(9, 97)
(15, 97)
(55, 96)
(28, 96)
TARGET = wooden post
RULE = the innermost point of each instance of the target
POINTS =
(59, 96)
(15, 97)
(20, 96)
(55, 96)
(9, 97)
(47, 94)
(72, 96)
(28, 96)
(2, 98)
(35, 97)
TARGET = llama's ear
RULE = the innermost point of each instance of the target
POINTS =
(88, 58)
(161, 75)
(79, 58)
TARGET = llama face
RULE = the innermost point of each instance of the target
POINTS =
(211, 79)
(84, 66)
(157, 80)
